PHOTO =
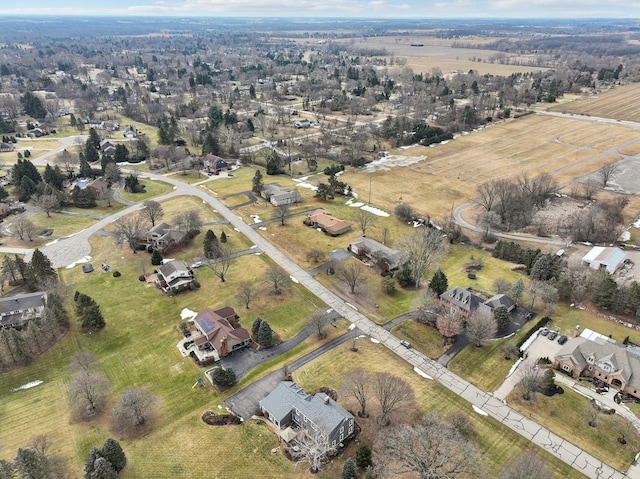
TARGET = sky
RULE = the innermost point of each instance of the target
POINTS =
(560, 9)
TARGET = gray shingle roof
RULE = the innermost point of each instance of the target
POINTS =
(462, 298)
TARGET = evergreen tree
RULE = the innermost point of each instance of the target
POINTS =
(56, 310)
(21, 267)
(89, 464)
(9, 268)
(349, 469)
(439, 282)
(112, 452)
(363, 456)
(517, 289)
(223, 377)
(142, 150)
(20, 347)
(258, 182)
(94, 138)
(41, 272)
(102, 469)
(604, 289)
(121, 154)
(25, 168)
(265, 334)
(211, 245)
(91, 154)
(25, 189)
(88, 310)
(4, 194)
(223, 237)
(156, 258)
(53, 176)
(83, 198)
(273, 166)
(404, 276)
(541, 268)
(210, 145)
(502, 317)
(255, 327)
(33, 106)
(85, 168)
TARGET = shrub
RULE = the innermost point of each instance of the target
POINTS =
(117, 274)
(404, 212)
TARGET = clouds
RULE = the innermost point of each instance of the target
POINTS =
(339, 8)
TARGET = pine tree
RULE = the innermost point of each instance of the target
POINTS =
(349, 469)
(88, 310)
(265, 334)
(439, 282)
(89, 464)
(258, 182)
(156, 258)
(223, 237)
(363, 456)
(255, 327)
(41, 272)
(112, 452)
(85, 168)
(517, 289)
(94, 138)
(102, 469)
(20, 347)
(211, 145)
(502, 317)
(211, 246)
(223, 376)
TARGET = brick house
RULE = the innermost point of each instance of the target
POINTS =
(216, 337)
(328, 223)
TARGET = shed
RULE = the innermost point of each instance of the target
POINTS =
(608, 258)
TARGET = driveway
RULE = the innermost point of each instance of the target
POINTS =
(541, 347)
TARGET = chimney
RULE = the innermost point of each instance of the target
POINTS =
(223, 347)
(326, 400)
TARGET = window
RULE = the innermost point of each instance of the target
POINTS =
(566, 367)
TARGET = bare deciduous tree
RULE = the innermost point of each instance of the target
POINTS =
(431, 448)
(188, 221)
(526, 465)
(130, 228)
(364, 219)
(319, 318)
(428, 312)
(152, 211)
(312, 450)
(281, 212)
(357, 384)
(22, 226)
(481, 326)
(112, 172)
(488, 194)
(276, 279)
(589, 188)
(529, 379)
(47, 202)
(501, 286)
(352, 274)
(607, 172)
(422, 248)
(67, 161)
(246, 292)
(88, 394)
(134, 412)
(222, 262)
(393, 394)
(83, 361)
(449, 325)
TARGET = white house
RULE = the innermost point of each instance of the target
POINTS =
(602, 257)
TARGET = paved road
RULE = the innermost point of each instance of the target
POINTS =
(68, 250)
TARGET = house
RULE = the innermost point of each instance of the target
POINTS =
(107, 147)
(162, 235)
(601, 257)
(388, 259)
(174, 276)
(229, 314)
(462, 300)
(130, 131)
(302, 124)
(289, 408)
(4, 147)
(16, 311)
(324, 220)
(278, 196)
(465, 302)
(216, 337)
(597, 356)
(98, 187)
(215, 164)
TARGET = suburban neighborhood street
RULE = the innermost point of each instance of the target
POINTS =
(69, 250)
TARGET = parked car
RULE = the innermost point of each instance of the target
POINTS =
(562, 339)
(197, 264)
(544, 331)
(187, 334)
(406, 344)
(552, 335)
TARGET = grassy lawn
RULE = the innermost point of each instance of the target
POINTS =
(137, 347)
(564, 414)
(485, 366)
(152, 188)
(498, 443)
(189, 177)
(425, 339)
(180, 204)
(61, 224)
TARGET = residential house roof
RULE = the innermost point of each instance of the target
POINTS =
(216, 329)
(500, 300)
(227, 312)
(610, 258)
(174, 267)
(319, 408)
(394, 258)
(14, 308)
(328, 222)
(462, 298)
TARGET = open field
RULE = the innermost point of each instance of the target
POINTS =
(619, 103)
(152, 188)
(136, 348)
(451, 172)
(498, 443)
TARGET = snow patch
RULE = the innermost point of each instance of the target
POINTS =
(309, 186)
(374, 340)
(375, 211)
(420, 372)
(389, 161)
(86, 259)
(263, 228)
(256, 218)
(186, 313)
(625, 236)
(478, 410)
(294, 279)
(30, 385)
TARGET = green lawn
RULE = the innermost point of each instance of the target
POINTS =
(497, 443)
(424, 338)
(565, 415)
(137, 347)
(152, 188)
(61, 224)
(567, 318)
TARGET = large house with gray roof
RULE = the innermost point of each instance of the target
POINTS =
(174, 276)
(465, 302)
(386, 258)
(601, 358)
(16, 311)
(290, 409)
(278, 196)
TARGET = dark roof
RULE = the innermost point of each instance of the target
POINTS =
(462, 298)
(22, 302)
(175, 266)
(500, 300)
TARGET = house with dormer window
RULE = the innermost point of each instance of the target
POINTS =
(602, 358)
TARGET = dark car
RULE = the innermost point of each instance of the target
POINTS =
(562, 339)
(552, 335)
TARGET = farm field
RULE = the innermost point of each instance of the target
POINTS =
(619, 103)
(566, 148)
